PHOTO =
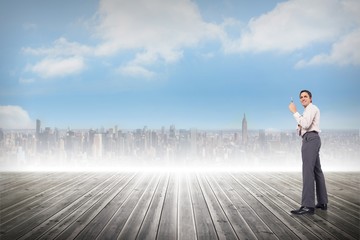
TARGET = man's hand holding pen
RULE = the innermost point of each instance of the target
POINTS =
(292, 106)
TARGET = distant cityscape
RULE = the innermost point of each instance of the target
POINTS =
(115, 148)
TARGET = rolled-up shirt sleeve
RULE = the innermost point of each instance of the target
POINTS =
(306, 121)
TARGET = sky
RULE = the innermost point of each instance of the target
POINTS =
(193, 64)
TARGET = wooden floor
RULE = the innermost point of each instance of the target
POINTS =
(173, 206)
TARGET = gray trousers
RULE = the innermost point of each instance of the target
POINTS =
(312, 172)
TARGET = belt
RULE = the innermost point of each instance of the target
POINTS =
(309, 132)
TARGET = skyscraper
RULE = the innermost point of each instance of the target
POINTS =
(38, 127)
(244, 131)
(98, 146)
(193, 144)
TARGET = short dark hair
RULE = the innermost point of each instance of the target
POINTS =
(307, 91)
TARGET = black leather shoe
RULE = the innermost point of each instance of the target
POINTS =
(303, 210)
(321, 206)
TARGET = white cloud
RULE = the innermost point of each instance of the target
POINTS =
(57, 67)
(63, 58)
(136, 67)
(158, 30)
(61, 47)
(297, 24)
(293, 25)
(15, 117)
(136, 71)
(154, 25)
(344, 52)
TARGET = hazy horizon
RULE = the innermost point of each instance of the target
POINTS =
(177, 128)
(171, 149)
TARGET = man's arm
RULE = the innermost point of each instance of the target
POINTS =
(292, 107)
(307, 118)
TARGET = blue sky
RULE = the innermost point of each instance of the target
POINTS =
(200, 64)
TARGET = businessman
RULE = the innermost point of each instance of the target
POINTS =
(308, 128)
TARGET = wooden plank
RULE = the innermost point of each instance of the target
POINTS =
(18, 181)
(345, 178)
(336, 194)
(10, 221)
(174, 206)
(221, 222)
(230, 203)
(275, 217)
(150, 225)
(348, 211)
(50, 228)
(122, 214)
(168, 220)
(344, 193)
(9, 180)
(107, 213)
(118, 220)
(35, 185)
(186, 226)
(313, 223)
(278, 203)
(261, 207)
(83, 222)
(33, 202)
(248, 207)
(134, 221)
(49, 210)
(205, 228)
(341, 213)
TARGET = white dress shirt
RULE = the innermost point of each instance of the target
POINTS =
(309, 120)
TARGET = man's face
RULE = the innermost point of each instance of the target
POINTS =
(305, 99)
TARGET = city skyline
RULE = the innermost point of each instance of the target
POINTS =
(170, 149)
(192, 64)
(39, 126)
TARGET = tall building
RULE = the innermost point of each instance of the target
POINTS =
(98, 146)
(172, 134)
(2, 135)
(193, 142)
(38, 128)
(244, 131)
